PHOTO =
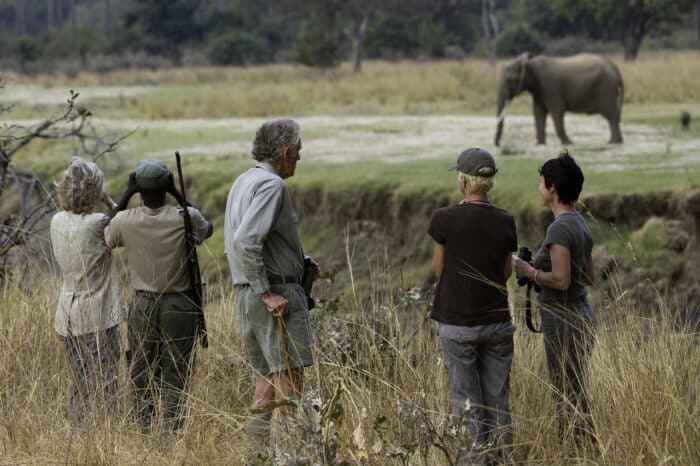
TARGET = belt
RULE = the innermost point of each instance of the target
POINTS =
(280, 280)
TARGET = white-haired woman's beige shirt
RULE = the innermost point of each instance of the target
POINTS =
(90, 298)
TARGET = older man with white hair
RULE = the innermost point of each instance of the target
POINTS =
(267, 266)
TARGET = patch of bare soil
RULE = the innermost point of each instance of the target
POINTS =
(395, 139)
(38, 95)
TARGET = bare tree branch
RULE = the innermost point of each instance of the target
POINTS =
(36, 201)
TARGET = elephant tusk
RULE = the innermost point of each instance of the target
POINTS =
(502, 115)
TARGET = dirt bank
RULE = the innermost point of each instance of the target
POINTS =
(646, 245)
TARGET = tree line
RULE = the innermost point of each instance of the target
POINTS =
(325, 32)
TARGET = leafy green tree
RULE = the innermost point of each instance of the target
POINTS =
(697, 18)
(237, 47)
(330, 29)
(160, 27)
(318, 44)
(409, 28)
(629, 21)
(247, 31)
(517, 39)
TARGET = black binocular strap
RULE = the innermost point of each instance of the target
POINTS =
(528, 310)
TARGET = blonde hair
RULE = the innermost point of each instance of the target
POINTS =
(80, 186)
(476, 184)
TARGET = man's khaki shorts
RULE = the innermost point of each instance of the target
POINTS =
(260, 330)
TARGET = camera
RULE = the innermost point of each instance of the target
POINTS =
(307, 281)
(525, 254)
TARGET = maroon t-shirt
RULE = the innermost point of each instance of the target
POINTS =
(477, 239)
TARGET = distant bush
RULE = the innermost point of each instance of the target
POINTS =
(388, 38)
(432, 38)
(518, 39)
(26, 50)
(577, 44)
(237, 47)
(127, 60)
(317, 45)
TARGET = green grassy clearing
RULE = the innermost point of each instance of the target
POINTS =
(376, 145)
(358, 171)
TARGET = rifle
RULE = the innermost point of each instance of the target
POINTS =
(192, 260)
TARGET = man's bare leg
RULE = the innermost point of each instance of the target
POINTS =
(286, 387)
(264, 391)
(258, 426)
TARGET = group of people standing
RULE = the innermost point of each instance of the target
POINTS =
(163, 322)
(162, 318)
(473, 259)
(474, 242)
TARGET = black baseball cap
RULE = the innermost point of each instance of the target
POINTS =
(476, 162)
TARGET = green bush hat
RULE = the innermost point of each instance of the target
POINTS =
(476, 162)
(151, 174)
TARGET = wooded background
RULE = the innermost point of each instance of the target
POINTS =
(324, 32)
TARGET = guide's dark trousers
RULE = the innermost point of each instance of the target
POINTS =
(162, 334)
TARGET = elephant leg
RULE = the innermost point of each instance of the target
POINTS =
(615, 133)
(540, 122)
(558, 117)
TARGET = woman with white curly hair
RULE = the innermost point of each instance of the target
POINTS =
(89, 305)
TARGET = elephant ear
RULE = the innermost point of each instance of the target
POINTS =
(523, 58)
(515, 68)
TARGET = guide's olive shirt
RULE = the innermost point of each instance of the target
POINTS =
(90, 298)
(155, 245)
(260, 234)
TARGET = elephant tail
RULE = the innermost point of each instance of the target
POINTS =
(620, 97)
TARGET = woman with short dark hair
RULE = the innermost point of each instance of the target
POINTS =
(89, 305)
(563, 268)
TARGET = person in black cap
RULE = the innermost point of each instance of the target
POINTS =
(472, 262)
(163, 319)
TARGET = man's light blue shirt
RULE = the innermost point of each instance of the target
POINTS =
(261, 235)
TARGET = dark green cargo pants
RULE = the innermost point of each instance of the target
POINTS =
(162, 334)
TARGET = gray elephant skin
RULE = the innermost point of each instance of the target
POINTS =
(583, 83)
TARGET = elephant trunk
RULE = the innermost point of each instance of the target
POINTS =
(502, 100)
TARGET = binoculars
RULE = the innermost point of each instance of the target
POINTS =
(525, 254)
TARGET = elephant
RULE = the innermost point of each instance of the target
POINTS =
(583, 83)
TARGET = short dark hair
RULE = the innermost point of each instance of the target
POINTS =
(565, 175)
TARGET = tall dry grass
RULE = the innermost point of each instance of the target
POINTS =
(446, 86)
(377, 395)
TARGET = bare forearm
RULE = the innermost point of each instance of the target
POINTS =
(437, 270)
(508, 270)
(109, 202)
(549, 279)
(122, 205)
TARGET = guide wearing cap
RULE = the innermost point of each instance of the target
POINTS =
(162, 322)
(151, 175)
